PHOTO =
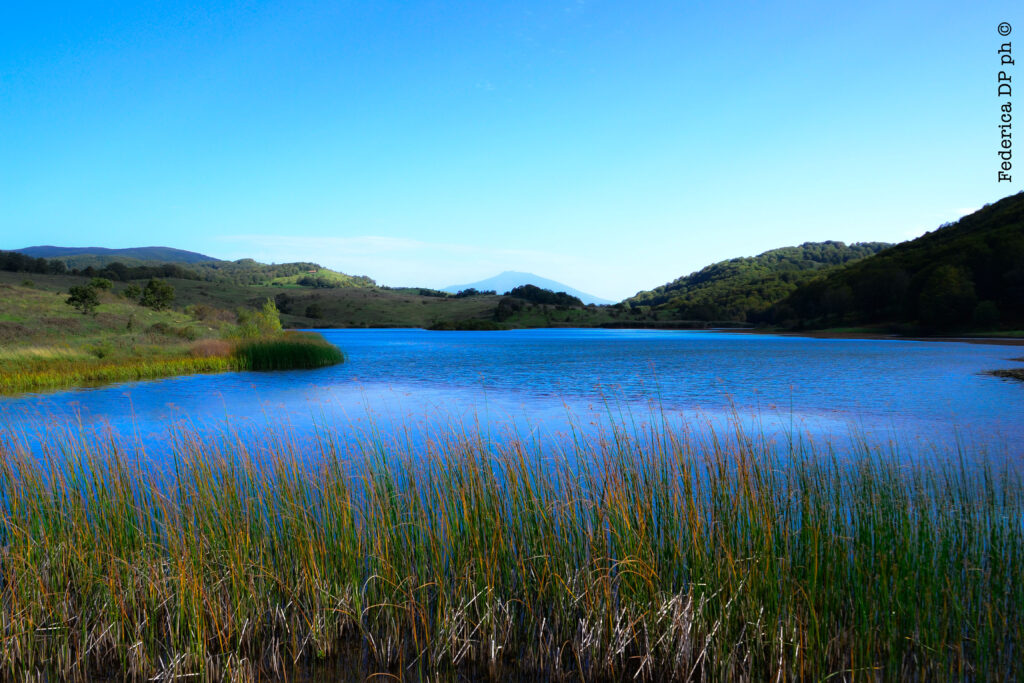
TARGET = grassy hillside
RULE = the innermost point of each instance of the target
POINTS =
(123, 267)
(364, 306)
(744, 288)
(968, 275)
(46, 343)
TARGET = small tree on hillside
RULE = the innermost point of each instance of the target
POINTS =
(268, 320)
(265, 322)
(83, 298)
(157, 295)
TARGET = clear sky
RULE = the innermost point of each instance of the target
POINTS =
(612, 146)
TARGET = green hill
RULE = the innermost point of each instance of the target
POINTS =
(97, 257)
(299, 274)
(123, 268)
(962, 276)
(745, 288)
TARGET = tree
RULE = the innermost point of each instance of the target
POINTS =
(263, 323)
(986, 315)
(101, 283)
(948, 297)
(84, 298)
(268, 320)
(157, 295)
(133, 292)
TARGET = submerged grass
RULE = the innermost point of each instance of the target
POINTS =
(647, 556)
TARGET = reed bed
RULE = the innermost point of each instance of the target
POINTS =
(633, 555)
(64, 373)
(287, 351)
(291, 350)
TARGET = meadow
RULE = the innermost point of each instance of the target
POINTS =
(633, 554)
(45, 344)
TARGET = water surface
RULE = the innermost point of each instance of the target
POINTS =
(917, 395)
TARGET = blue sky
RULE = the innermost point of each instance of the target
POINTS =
(610, 145)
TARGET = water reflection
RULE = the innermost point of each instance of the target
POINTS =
(547, 383)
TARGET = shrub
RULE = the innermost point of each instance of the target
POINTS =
(83, 298)
(263, 323)
(157, 295)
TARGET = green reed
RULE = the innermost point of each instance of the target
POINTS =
(645, 554)
(64, 373)
(292, 350)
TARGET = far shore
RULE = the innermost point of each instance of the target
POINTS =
(841, 334)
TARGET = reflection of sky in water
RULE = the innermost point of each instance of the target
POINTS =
(409, 384)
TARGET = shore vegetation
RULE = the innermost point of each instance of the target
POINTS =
(101, 334)
(645, 555)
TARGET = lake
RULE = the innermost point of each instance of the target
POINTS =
(917, 397)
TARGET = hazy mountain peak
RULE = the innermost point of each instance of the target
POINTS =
(510, 279)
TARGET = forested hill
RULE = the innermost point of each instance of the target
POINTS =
(241, 272)
(745, 288)
(97, 257)
(964, 275)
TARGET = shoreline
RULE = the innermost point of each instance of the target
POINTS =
(879, 336)
(693, 327)
(290, 352)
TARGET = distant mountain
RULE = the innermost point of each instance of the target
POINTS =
(745, 288)
(511, 279)
(964, 275)
(82, 257)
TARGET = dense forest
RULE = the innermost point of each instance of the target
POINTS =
(744, 289)
(964, 275)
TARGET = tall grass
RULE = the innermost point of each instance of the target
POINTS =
(64, 373)
(633, 555)
(291, 350)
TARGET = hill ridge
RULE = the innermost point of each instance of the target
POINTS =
(510, 279)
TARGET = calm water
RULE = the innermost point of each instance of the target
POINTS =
(916, 394)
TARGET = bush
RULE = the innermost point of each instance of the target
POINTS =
(157, 295)
(263, 323)
(83, 298)
(101, 283)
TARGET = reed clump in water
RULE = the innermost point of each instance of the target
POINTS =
(647, 556)
(288, 351)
